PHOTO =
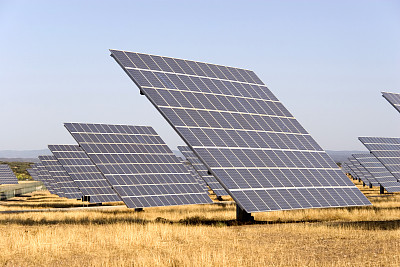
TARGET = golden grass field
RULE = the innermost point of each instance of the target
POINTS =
(199, 235)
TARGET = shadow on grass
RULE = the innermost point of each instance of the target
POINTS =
(368, 225)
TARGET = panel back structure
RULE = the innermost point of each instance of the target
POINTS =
(45, 177)
(393, 99)
(64, 181)
(89, 179)
(378, 171)
(386, 150)
(7, 176)
(247, 139)
(201, 169)
(139, 165)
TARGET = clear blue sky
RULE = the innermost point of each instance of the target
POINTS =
(327, 61)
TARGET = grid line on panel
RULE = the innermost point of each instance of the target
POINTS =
(87, 177)
(243, 134)
(139, 165)
(7, 176)
(201, 169)
(378, 171)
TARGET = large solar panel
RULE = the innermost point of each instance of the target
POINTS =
(386, 150)
(45, 177)
(201, 169)
(64, 181)
(7, 176)
(378, 171)
(91, 182)
(365, 173)
(139, 165)
(393, 99)
(247, 139)
(53, 180)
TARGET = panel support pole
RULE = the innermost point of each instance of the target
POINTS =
(381, 189)
(363, 184)
(242, 215)
(138, 209)
(370, 185)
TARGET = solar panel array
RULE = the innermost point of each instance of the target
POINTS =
(45, 177)
(345, 167)
(365, 173)
(67, 186)
(393, 99)
(139, 165)
(356, 168)
(378, 171)
(350, 169)
(249, 141)
(84, 173)
(201, 169)
(194, 173)
(7, 176)
(386, 150)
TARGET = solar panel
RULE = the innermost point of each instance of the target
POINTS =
(201, 169)
(386, 150)
(54, 180)
(349, 166)
(33, 173)
(64, 181)
(393, 99)
(193, 172)
(139, 165)
(345, 167)
(45, 177)
(378, 171)
(247, 139)
(367, 175)
(7, 176)
(356, 167)
(91, 182)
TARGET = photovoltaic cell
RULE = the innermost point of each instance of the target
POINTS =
(84, 173)
(249, 141)
(7, 176)
(201, 169)
(139, 165)
(393, 99)
(378, 171)
(64, 181)
(386, 150)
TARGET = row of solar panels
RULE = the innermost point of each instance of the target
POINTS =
(7, 176)
(380, 167)
(240, 139)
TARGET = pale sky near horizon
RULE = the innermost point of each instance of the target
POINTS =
(327, 61)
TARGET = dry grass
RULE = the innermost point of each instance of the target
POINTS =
(201, 235)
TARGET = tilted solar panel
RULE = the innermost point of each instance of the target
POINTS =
(64, 181)
(194, 173)
(393, 99)
(378, 171)
(7, 176)
(201, 169)
(32, 172)
(139, 165)
(365, 173)
(249, 141)
(356, 167)
(54, 180)
(45, 177)
(352, 173)
(386, 150)
(91, 182)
